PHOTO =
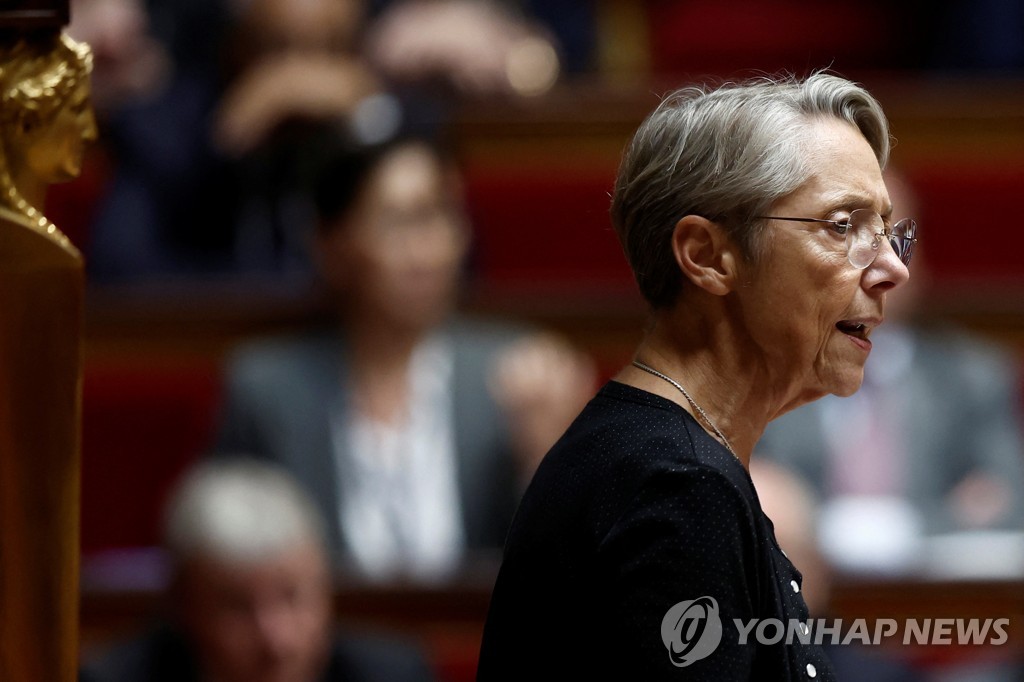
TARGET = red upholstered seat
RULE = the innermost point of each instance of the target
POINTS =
(705, 37)
(141, 427)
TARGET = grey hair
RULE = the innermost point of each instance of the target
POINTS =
(239, 510)
(726, 154)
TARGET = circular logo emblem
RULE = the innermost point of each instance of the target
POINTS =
(691, 630)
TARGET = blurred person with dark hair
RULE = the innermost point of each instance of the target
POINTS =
(413, 430)
(251, 596)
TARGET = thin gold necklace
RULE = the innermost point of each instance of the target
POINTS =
(693, 403)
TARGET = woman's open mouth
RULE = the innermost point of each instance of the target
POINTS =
(857, 331)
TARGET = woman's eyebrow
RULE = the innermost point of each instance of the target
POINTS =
(852, 201)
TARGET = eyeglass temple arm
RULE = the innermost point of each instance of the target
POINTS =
(796, 220)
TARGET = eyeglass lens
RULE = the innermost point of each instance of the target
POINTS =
(865, 237)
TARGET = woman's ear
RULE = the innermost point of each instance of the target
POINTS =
(705, 254)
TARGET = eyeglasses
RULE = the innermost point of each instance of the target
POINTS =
(863, 229)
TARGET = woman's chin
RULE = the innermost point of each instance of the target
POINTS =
(848, 384)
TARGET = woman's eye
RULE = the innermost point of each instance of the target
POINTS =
(841, 227)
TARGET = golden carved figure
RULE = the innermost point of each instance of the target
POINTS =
(45, 122)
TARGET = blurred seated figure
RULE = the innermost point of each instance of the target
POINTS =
(790, 503)
(295, 75)
(929, 447)
(414, 430)
(207, 158)
(300, 71)
(130, 63)
(149, 201)
(251, 596)
(290, 60)
(474, 47)
(207, 148)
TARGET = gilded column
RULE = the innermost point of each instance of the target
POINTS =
(46, 120)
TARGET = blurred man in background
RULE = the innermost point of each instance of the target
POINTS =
(251, 597)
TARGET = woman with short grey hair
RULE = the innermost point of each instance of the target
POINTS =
(759, 230)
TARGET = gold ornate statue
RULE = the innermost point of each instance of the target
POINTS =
(45, 122)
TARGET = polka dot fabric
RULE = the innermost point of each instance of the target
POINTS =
(634, 510)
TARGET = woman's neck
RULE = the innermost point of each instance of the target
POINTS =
(380, 359)
(717, 371)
